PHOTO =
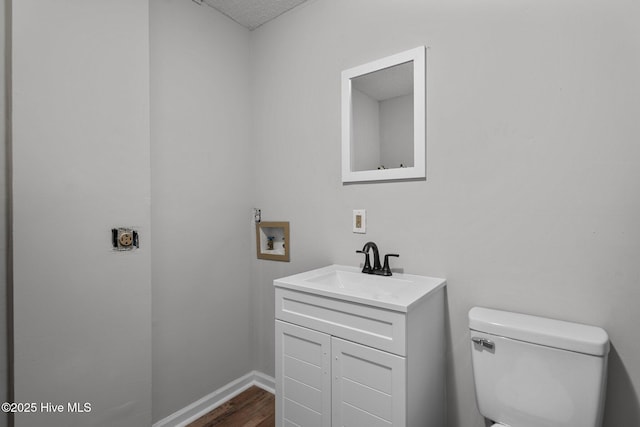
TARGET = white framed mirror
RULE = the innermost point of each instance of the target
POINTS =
(383, 119)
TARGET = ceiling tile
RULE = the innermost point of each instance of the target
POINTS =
(253, 13)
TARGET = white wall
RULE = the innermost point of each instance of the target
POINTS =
(82, 312)
(531, 200)
(202, 185)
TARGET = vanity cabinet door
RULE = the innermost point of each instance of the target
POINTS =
(303, 377)
(368, 386)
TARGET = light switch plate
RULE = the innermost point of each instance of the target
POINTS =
(359, 221)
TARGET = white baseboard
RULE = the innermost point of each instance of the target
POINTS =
(211, 401)
(264, 381)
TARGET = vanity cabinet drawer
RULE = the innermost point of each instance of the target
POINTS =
(374, 327)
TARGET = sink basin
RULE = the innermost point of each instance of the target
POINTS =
(359, 282)
(398, 292)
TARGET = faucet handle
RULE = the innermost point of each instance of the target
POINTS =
(367, 264)
(386, 270)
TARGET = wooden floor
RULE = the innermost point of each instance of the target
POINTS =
(254, 407)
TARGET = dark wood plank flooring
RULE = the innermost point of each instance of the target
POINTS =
(254, 407)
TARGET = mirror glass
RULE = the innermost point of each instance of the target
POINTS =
(383, 119)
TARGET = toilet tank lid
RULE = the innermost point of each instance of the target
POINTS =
(538, 330)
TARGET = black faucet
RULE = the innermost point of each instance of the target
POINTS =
(386, 270)
(377, 268)
(376, 258)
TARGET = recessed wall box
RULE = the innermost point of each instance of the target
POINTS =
(273, 241)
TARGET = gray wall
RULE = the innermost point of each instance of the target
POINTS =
(365, 119)
(201, 212)
(82, 312)
(396, 131)
(531, 200)
(4, 207)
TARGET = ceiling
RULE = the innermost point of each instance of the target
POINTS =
(252, 13)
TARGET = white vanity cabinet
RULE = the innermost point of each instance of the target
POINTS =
(341, 362)
(368, 386)
(303, 368)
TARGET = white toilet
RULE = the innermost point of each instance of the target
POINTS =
(535, 372)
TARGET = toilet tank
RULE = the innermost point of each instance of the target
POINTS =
(535, 372)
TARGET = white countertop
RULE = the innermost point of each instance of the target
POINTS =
(398, 292)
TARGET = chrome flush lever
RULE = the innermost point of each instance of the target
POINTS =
(488, 344)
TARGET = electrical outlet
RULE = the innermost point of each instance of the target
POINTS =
(359, 221)
(124, 239)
